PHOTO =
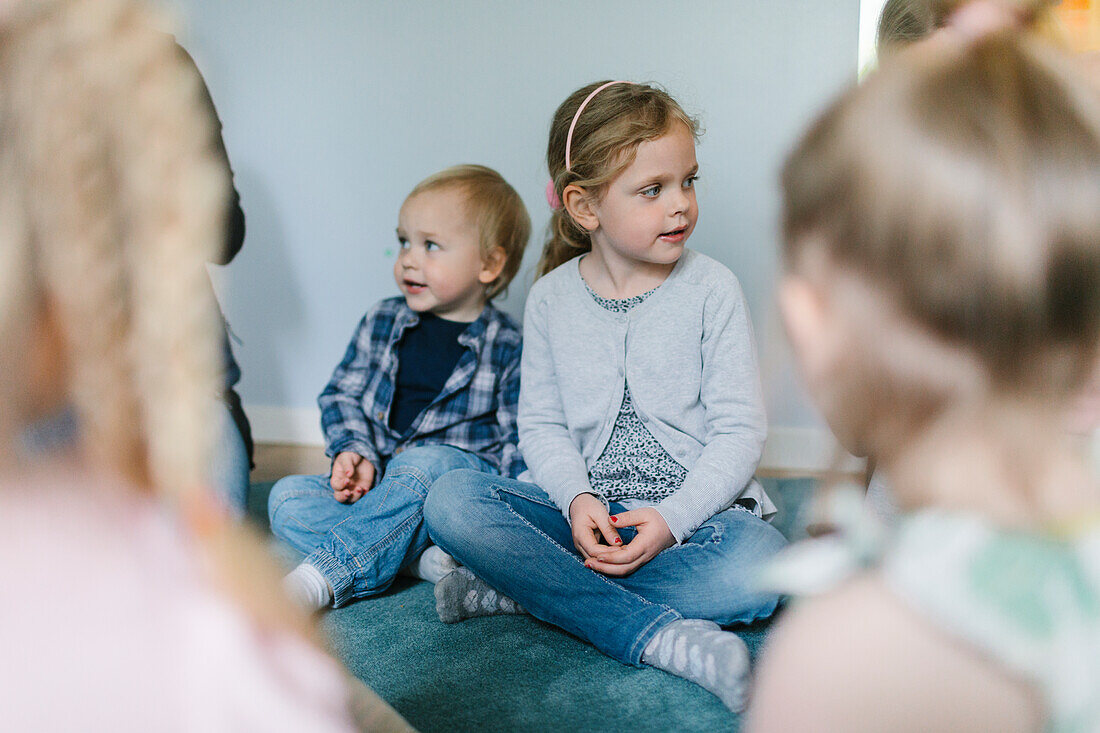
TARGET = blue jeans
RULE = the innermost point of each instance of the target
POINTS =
(359, 548)
(229, 465)
(515, 538)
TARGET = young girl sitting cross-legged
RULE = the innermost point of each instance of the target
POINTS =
(640, 417)
(943, 296)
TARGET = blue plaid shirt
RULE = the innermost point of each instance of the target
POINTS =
(476, 410)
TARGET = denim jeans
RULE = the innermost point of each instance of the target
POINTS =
(359, 548)
(515, 538)
(229, 464)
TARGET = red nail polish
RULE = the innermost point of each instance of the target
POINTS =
(613, 519)
(618, 540)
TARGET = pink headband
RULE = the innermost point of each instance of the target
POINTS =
(577, 116)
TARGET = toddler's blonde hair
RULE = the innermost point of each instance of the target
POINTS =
(495, 209)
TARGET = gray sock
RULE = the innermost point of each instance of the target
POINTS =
(460, 595)
(700, 651)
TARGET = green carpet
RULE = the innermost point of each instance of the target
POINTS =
(513, 672)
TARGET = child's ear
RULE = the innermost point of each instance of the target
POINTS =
(578, 204)
(805, 317)
(492, 265)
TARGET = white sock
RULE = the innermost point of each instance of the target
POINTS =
(698, 650)
(308, 588)
(432, 565)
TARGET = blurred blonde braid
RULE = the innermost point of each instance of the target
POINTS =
(110, 143)
(125, 210)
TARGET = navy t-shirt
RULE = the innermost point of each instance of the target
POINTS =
(426, 356)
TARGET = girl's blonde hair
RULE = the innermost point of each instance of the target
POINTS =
(963, 186)
(494, 208)
(606, 137)
(903, 22)
(113, 195)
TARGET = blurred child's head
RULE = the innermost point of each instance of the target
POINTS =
(462, 233)
(942, 239)
(604, 143)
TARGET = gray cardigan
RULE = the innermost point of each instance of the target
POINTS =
(688, 354)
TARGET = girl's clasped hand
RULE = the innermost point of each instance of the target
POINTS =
(592, 523)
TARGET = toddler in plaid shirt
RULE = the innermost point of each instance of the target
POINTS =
(429, 384)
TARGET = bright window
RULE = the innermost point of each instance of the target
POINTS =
(869, 11)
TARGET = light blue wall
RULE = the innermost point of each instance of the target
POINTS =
(333, 109)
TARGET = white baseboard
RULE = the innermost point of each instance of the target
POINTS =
(806, 449)
(294, 425)
(788, 449)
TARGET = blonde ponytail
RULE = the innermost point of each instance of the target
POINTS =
(565, 241)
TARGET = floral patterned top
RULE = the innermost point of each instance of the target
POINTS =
(633, 465)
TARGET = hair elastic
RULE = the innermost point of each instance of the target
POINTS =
(975, 20)
(577, 116)
(552, 196)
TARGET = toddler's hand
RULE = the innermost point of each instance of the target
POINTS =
(653, 535)
(588, 516)
(352, 476)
